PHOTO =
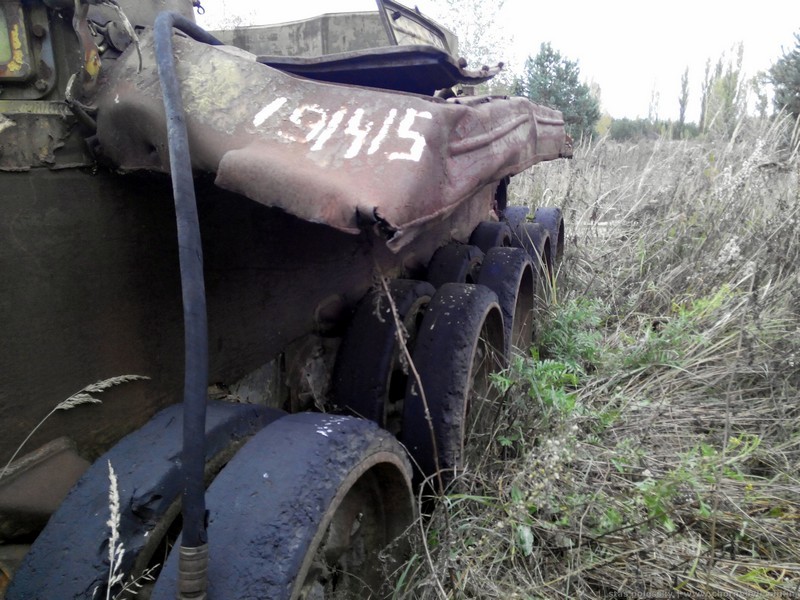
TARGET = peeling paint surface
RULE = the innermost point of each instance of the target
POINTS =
(17, 61)
(5, 123)
(325, 152)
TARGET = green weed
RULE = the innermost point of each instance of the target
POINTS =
(649, 442)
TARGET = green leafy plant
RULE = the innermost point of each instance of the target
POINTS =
(552, 79)
(648, 444)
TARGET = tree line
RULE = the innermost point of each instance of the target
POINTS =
(552, 79)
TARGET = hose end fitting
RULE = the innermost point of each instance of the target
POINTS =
(193, 573)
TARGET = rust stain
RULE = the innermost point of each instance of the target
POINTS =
(350, 157)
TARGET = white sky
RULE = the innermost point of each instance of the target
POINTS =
(628, 47)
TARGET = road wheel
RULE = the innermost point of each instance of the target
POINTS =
(552, 220)
(69, 559)
(459, 345)
(454, 263)
(509, 273)
(515, 216)
(304, 511)
(535, 240)
(370, 378)
(489, 234)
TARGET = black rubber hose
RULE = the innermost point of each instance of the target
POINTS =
(192, 281)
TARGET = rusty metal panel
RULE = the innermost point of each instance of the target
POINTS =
(406, 26)
(326, 34)
(415, 69)
(15, 53)
(141, 13)
(334, 33)
(351, 158)
(27, 60)
(39, 134)
(35, 485)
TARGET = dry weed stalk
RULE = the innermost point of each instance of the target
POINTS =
(79, 398)
(669, 467)
(116, 549)
(401, 336)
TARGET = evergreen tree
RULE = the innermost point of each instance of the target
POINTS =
(785, 77)
(553, 80)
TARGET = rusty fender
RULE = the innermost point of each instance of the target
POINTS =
(340, 155)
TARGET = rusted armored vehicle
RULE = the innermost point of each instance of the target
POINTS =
(239, 288)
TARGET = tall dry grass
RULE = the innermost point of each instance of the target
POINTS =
(650, 445)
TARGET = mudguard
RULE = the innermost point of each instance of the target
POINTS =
(346, 156)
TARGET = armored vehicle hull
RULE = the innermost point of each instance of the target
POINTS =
(349, 228)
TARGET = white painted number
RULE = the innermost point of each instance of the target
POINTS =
(320, 126)
(405, 132)
(353, 128)
(336, 120)
(269, 110)
(376, 143)
(316, 128)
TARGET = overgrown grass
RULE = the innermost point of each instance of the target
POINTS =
(650, 444)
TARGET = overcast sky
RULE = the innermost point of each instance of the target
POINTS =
(628, 47)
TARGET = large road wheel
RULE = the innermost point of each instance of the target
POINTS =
(370, 378)
(535, 240)
(69, 559)
(490, 234)
(509, 273)
(303, 512)
(454, 263)
(459, 345)
(552, 220)
(515, 216)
